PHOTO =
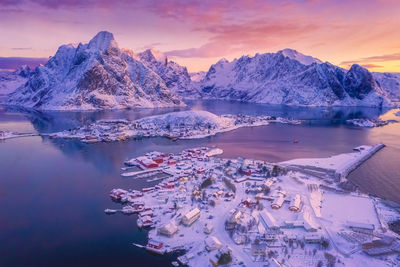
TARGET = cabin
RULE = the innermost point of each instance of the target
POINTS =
(146, 162)
(155, 246)
(171, 162)
(295, 203)
(158, 160)
(190, 217)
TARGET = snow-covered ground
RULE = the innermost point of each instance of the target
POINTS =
(175, 125)
(210, 206)
(370, 123)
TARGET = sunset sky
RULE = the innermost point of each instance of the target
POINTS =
(198, 33)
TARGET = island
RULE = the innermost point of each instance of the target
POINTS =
(189, 124)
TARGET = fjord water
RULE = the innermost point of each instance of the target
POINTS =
(53, 192)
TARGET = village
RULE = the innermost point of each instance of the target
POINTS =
(189, 124)
(245, 212)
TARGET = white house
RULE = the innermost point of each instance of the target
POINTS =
(190, 217)
(168, 229)
(212, 243)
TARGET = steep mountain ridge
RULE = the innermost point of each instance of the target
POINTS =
(288, 77)
(175, 76)
(97, 75)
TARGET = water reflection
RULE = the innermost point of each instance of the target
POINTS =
(53, 192)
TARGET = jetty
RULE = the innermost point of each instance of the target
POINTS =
(365, 153)
(335, 168)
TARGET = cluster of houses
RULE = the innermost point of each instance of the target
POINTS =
(260, 210)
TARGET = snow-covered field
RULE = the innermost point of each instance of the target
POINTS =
(210, 207)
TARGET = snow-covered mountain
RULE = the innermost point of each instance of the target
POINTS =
(288, 77)
(197, 76)
(303, 59)
(10, 81)
(175, 76)
(390, 83)
(97, 75)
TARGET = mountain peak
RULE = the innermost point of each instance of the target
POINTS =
(102, 41)
(152, 54)
(303, 59)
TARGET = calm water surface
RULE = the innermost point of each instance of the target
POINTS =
(53, 192)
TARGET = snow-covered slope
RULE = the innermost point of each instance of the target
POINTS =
(97, 75)
(10, 81)
(390, 83)
(175, 76)
(190, 118)
(197, 76)
(303, 59)
(287, 77)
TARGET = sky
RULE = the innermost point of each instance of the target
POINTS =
(199, 33)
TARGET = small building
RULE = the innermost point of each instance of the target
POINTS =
(278, 202)
(212, 243)
(259, 249)
(158, 160)
(313, 238)
(290, 237)
(168, 229)
(146, 162)
(208, 228)
(190, 217)
(361, 227)
(268, 183)
(295, 203)
(268, 220)
(245, 172)
(235, 217)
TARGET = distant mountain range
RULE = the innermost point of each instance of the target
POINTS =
(288, 77)
(100, 75)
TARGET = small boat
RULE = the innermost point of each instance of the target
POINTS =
(110, 211)
(295, 141)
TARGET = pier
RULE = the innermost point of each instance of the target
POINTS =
(352, 165)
